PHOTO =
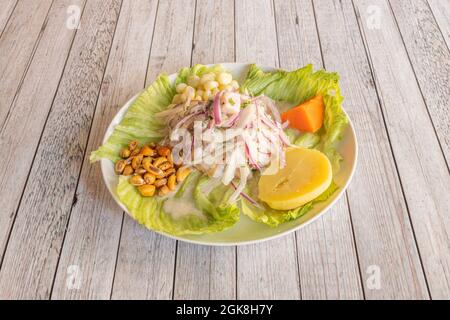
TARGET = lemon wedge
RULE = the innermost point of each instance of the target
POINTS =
(306, 176)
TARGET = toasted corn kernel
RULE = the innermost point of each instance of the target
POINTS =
(137, 180)
(172, 182)
(160, 182)
(163, 151)
(154, 170)
(165, 165)
(136, 161)
(170, 158)
(120, 165)
(182, 173)
(140, 171)
(146, 162)
(161, 176)
(163, 191)
(169, 172)
(146, 151)
(125, 153)
(135, 152)
(158, 161)
(128, 170)
(149, 178)
(132, 145)
(147, 190)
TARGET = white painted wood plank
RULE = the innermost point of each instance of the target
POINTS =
(267, 270)
(31, 257)
(21, 129)
(327, 258)
(204, 272)
(145, 264)
(18, 44)
(430, 59)
(93, 234)
(146, 260)
(7, 9)
(421, 164)
(383, 234)
(441, 11)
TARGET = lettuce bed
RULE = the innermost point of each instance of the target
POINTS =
(140, 124)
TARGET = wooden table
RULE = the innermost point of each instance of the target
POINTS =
(63, 237)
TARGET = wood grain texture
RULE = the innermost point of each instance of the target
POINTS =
(21, 129)
(383, 234)
(259, 266)
(31, 257)
(145, 265)
(327, 259)
(204, 272)
(441, 12)
(18, 43)
(7, 9)
(430, 59)
(146, 260)
(421, 164)
(95, 224)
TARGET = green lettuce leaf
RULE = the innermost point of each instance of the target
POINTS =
(139, 122)
(298, 86)
(272, 217)
(257, 80)
(213, 213)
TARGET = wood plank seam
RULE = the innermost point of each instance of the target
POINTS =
(437, 24)
(176, 243)
(39, 142)
(346, 193)
(355, 246)
(30, 60)
(9, 18)
(117, 257)
(295, 233)
(84, 155)
(124, 213)
(380, 102)
(417, 80)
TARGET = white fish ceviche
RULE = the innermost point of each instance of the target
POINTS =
(192, 155)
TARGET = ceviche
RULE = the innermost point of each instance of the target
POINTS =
(195, 154)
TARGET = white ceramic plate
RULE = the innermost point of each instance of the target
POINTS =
(247, 231)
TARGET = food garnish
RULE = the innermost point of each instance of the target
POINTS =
(307, 117)
(206, 148)
(306, 176)
(151, 168)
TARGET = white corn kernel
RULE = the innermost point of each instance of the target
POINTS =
(234, 84)
(193, 81)
(181, 87)
(189, 92)
(183, 97)
(224, 78)
(228, 87)
(210, 85)
(198, 98)
(207, 77)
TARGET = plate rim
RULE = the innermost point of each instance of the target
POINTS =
(103, 163)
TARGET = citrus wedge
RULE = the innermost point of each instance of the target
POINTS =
(306, 176)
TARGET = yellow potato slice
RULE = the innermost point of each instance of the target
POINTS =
(306, 176)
